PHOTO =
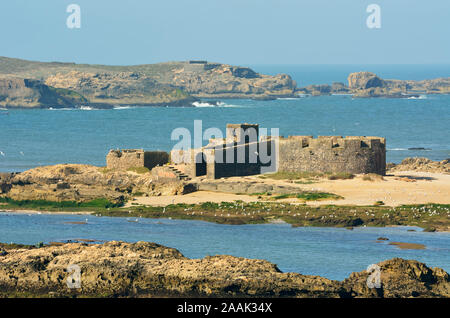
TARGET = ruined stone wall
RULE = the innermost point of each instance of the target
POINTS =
(155, 158)
(295, 154)
(332, 154)
(133, 158)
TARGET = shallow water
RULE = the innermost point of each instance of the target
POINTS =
(330, 252)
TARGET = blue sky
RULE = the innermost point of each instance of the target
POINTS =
(228, 31)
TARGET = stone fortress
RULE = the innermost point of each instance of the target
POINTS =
(243, 152)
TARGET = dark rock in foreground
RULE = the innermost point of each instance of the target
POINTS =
(148, 269)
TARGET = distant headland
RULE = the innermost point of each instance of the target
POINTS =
(31, 84)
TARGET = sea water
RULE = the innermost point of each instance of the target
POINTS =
(330, 252)
(30, 138)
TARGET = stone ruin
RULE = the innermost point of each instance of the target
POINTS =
(243, 152)
(135, 158)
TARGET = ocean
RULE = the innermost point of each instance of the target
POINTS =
(30, 138)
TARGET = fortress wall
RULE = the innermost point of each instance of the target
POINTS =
(125, 159)
(194, 67)
(354, 154)
(132, 158)
(333, 154)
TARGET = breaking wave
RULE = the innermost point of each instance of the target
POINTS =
(124, 107)
(86, 108)
(420, 97)
(51, 108)
(214, 104)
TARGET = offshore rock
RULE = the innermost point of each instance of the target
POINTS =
(118, 269)
(81, 183)
(364, 80)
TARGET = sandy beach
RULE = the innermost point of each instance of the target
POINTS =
(398, 188)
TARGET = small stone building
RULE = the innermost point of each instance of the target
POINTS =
(135, 158)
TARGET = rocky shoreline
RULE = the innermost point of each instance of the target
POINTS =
(143, 269)
(103, 86)
(367, 85)
(29, 84)
(85, 188)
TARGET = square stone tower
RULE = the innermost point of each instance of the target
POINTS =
(242, 133)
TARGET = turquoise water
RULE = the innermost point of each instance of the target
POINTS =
(30, 138)
(330, 252)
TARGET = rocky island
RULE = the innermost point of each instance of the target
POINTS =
(29, 84)
(163, 84)
(142, 269)
(367, 84)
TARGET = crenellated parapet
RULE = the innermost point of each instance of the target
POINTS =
(353, 154)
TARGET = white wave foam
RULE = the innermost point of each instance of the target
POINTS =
(51, 108)
(219, 104)
(203, 104)
(87, 108)
(287, 98)
(398, 149)
(420, 97)
(123, 107)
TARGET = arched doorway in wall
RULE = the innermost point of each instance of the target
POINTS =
(200, 164)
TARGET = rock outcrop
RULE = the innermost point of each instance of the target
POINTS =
(81, 183)
(367, 84)
(117, 269)
(245, 187)
(422, 165)
(123, 88)
(212, 80)
(29, 93)
(364, 80)
(173, 83)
